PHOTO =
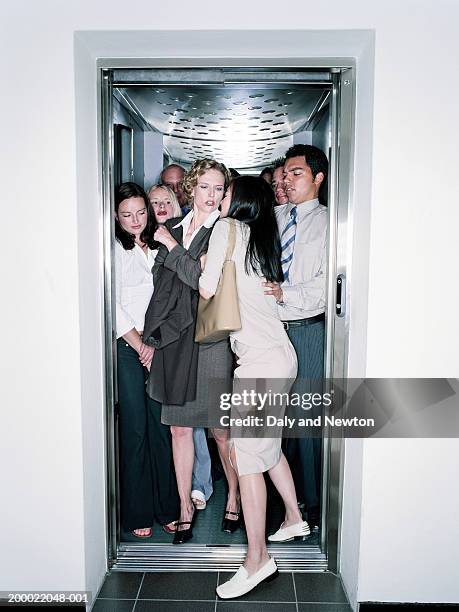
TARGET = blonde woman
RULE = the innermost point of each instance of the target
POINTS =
(165, 206)
(182, 371)
(164, 203)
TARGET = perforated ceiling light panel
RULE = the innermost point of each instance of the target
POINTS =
(244, 128)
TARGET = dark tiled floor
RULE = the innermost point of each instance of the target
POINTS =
(190, 586)
(281, 589)
(114, 605)
(195, 592)
(121, 585)
(319, 588)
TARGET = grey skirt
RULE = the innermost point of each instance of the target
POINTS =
(215, 363)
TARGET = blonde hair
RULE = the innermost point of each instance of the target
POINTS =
(200, 166)
(176, 210)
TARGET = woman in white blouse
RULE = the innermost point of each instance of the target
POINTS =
(263, 351)
(147, 480)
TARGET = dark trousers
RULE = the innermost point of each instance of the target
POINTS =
(148, 489)
(305, 454)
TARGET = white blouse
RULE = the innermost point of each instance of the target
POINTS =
(134, 286)
(186, 222)
(261, 326)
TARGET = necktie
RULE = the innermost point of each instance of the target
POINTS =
(287, 243)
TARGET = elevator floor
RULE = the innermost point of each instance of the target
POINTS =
(207, 526)
(195, 592)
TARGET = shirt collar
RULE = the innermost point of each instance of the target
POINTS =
(207, 223)
(186, 220)
(306, 207)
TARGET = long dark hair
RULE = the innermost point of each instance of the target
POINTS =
(252, 203)
(124, 192)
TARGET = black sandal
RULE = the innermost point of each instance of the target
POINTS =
(230, 525)
(184, 534)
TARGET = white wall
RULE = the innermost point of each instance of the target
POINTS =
(410, 537)
(52, 402)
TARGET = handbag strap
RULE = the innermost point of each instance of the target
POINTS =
(231, 239)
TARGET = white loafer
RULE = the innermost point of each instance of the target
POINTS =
(241, 583)
(294, 532)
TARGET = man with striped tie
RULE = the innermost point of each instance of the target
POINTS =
(301, 299)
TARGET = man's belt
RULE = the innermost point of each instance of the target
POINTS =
(301, 322)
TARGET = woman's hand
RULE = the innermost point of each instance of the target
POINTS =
(275, 290)
(146, 355)
(164, 236)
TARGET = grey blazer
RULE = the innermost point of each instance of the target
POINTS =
(185, 262)
(170, 319)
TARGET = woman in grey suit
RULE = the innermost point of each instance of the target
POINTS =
(183, 372)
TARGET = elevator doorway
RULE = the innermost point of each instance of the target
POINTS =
(245, 117)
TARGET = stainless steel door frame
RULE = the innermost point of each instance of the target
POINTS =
(342, 140)
(106, 148)
(162, 557)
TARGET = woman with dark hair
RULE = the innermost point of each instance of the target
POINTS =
(184, 374)
(264, 351)
(147, 480)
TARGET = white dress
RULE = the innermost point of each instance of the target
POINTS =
(263, 349)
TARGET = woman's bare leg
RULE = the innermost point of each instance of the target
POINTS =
(183, 453)
(282, 479)
(233, 501)
(253, 499)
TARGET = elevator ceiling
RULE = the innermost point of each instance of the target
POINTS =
(242, 126)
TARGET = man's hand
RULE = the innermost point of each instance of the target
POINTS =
(164, 236)
(275, 290)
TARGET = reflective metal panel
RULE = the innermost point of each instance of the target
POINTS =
(244, 127)
(164, 557)
(195, 76)
(106, 188)
(337, 331)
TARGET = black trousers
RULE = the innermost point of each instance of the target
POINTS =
(148, 489)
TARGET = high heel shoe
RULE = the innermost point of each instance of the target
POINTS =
(184, 535)
(230, 525)
(198, 499)
(170, 527)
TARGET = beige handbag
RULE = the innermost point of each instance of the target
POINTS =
(219, 315)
